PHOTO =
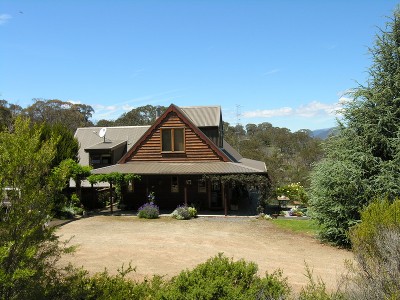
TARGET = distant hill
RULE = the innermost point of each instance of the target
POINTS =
(323, 133)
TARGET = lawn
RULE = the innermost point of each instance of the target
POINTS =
(305, 226)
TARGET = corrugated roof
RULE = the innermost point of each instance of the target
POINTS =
(88, 137)
(176, 168)
(203, 116)
(106, 145)
(231, 152)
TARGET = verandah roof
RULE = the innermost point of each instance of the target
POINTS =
(179, 168)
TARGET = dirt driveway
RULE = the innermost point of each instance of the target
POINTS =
(166, 246)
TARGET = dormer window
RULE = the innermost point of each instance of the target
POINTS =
(173, 139)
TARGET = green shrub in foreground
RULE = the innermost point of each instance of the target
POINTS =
(222, 278)
(104, 286)
(376, 247)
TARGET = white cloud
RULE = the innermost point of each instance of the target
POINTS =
(268, 113)
(315, 108)
(4, 18)
(309, 110)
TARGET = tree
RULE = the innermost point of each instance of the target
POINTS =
(67, 146)
(288, 156)
(142, 115)
(362, 160)
(28, 251)
(56, 111)
(8, 112)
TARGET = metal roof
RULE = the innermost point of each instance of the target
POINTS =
(110, 145)
(179, 168)
(203, 116)
(88, 138)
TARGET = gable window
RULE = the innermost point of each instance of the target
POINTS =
(172, 139)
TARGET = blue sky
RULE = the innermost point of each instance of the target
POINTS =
(288, 63)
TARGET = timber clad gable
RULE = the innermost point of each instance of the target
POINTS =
(197, 146)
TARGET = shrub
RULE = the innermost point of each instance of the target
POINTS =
(222, 278)
(184, 212)
(68, 212)
(316, 290)
(192, 211)
(376, 247)
(81, 285)
(148, 211)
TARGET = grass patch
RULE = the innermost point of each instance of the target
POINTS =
(308, 226)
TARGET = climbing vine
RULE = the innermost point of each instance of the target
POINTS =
(114, 179)
(260, 182)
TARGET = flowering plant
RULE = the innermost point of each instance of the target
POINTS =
(148, 211)
(183, 212)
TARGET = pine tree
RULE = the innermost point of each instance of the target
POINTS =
(363, 161)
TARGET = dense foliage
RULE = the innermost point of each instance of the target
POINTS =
(363, 160)
(222, 278)
(142, 115)
(52, 112)
(71, 115)
(376, 245)
(294, 191)
(288, 156)
(28, 250)
(67, 145)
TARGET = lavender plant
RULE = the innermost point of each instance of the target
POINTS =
(148, 211)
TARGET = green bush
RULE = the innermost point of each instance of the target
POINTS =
(103, 286)
(222, 278)
(184, 212)
(376, 247)
(192, 211)
(316, 290)
(148, 211)
(68, 212)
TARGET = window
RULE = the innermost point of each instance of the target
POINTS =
(174, 184)
(106, 159)
(100, 159)
(173, 139)
(96, 159)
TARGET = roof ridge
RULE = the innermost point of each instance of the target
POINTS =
(119, 127)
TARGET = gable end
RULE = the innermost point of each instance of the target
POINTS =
(197, 146)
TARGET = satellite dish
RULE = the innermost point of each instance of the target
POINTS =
(102, 132)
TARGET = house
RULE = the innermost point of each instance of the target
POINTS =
(173, 157)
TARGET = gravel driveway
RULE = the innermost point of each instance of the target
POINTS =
(166, 246)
